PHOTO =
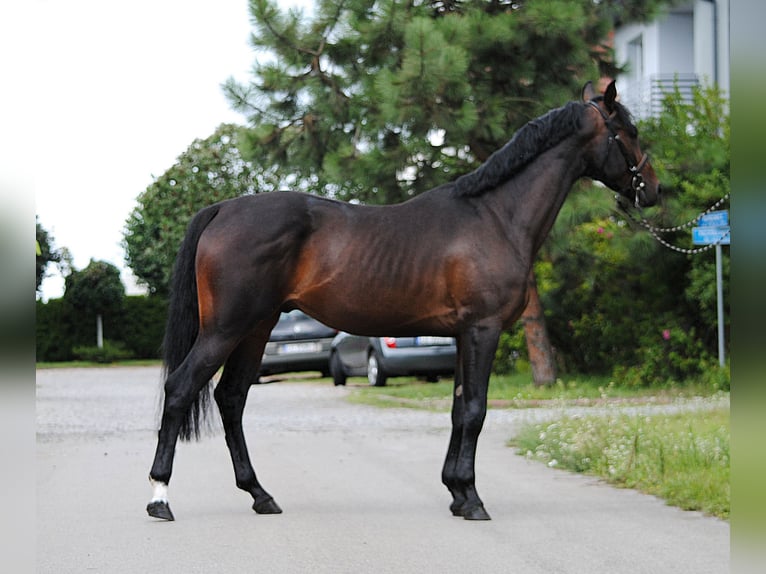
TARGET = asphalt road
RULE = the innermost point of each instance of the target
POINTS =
(359, 486)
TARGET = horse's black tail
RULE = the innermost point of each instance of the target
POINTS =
(183, 320)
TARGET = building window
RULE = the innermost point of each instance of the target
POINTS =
(636, 58)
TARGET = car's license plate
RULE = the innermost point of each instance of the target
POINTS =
(429, 341)
(289, 348)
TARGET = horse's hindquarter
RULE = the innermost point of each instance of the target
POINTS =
(246, 256)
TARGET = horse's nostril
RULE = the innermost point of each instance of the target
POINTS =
(659, 189)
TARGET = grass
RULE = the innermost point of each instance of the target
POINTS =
(517, 391)
(683, 458)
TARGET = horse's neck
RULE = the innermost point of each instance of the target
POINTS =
(533, 198)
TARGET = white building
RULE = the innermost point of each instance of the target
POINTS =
(689, 44)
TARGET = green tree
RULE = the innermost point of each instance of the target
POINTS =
(210, 170)
(46, 253)
(96, 290)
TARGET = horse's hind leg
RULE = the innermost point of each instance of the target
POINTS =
(182, 387)
(240, 372)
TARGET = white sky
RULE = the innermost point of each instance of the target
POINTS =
(122, 89)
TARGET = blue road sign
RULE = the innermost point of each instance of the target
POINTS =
(711, 235)
(715, 219)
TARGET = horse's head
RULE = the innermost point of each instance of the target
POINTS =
(614, 156)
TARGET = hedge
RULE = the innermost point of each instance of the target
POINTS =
(137, 327)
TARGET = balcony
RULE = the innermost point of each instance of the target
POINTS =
(644, 97)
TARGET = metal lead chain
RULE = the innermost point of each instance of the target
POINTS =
(644, 223)
(687, 251)
(655, 231)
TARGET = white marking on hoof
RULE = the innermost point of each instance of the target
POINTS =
(160, 493)
(458, 390)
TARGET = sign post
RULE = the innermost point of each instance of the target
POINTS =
(719, 297)
(714, 230)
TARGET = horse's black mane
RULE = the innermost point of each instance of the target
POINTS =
(535, 137)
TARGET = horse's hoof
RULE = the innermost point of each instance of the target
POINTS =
(267, 507)
(476, 513)
(160, 509)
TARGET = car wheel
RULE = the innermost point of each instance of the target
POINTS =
(375, 373)
(336, 370)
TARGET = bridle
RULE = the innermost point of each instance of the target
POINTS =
(637, 180)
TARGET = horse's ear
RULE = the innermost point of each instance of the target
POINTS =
(610, 96)
(588, 93)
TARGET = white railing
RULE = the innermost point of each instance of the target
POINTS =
(644, 97)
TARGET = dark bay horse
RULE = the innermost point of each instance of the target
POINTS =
(452, 261)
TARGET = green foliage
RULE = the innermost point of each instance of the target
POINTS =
(210, 170)
(142, 325)
(611, 292)
(511, 355)
(679, 357)
(692, 143)
(97, 288)
(109, 353)
(55, 331)
(683, 458)
(380, 100)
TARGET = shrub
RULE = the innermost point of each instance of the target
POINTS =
(138, 326)
(142, 325)
(511, 351)
(672, 356)
(54, 331)
(110, 352)
(610, 290)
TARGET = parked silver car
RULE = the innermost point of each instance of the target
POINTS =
(298, 343)
(379, 358)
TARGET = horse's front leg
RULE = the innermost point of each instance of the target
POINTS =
(449, 472)
(476, 352)
(240, 372)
